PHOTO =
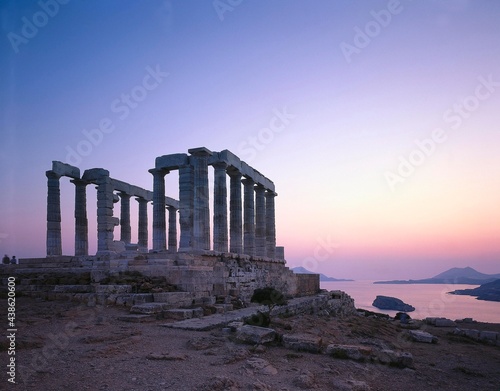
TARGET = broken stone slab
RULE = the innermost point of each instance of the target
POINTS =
(223, 308)
(351, 352)
(303, 342)
(440, 322)
(255, 334)
(147, 308)
(397, 359)
(443, 322)
(488, 336)
(422, 336)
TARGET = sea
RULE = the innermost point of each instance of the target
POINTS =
(429, 300)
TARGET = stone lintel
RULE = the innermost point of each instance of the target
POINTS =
(171, 202)
(95, 174)
(235, 163)
(172, 161)
(131, 190)
(200, 151)
(64, 169)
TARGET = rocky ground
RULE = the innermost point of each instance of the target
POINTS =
(66, 346)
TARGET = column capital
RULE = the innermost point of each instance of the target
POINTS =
(201, 151)
(80, 182)
(248, 181)
(52, 174)
(234, 172)
(158, 171)
(221, 165)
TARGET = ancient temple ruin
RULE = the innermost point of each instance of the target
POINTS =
(251, 223)
(200, 255)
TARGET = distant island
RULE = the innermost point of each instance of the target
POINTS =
(456, 275)
(392, 303)
(489, 291)
(322, 277)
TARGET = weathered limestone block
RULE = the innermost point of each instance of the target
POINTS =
(302, 342)
(443, 322)
(255, 334)
(440, 322)
(351, 352)
(223, 308)
(64, 169)
(422, 336)
(474, 334)
(488, 336)
(147, 308)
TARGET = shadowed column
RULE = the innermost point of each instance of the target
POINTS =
(142, 241)
(125, 229)
(81, 222)
(260, 221)
(186, 205)
(172, 228)
(220, 207)
(270, 225)
(54, 246)
(249, 217)
(235, 213)
(201, 212)
(159, 222)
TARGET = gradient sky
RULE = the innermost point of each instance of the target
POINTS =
(363, 83)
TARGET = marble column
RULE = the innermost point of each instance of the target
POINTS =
(249, 217)
(159, 215)
(81, 222)
(172, 228)
(105, 221)
(235, 213)
(186, 205)
(125, 229)
(201, 212)
(220, 207)
(54, 244)
(142, 241)
(270, 225)
(260, 221)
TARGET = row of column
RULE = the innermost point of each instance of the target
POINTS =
(254, 234)
(105, 220)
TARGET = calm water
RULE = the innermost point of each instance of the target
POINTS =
(428, 299)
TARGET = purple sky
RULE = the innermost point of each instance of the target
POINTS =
(385, 150)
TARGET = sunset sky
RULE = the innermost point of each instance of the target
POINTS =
(387, 158)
